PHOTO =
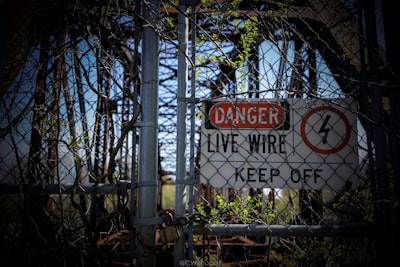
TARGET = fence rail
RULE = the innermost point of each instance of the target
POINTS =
(67, 189)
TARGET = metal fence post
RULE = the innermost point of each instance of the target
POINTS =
(148, 156)
(379, 170)
(181, 131)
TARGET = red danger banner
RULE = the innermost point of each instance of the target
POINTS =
(246, 115)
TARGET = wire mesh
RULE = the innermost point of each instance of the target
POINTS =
(279, 152)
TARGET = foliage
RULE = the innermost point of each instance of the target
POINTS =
(248, 209)
(168, 196)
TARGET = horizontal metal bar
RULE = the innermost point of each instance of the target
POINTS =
(42, 189)
(186, 182)
(350, 230)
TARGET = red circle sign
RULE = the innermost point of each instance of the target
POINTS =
(341, 145)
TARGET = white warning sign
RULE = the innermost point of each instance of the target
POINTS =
(279, 143)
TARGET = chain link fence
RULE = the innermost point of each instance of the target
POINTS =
(283, 135)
